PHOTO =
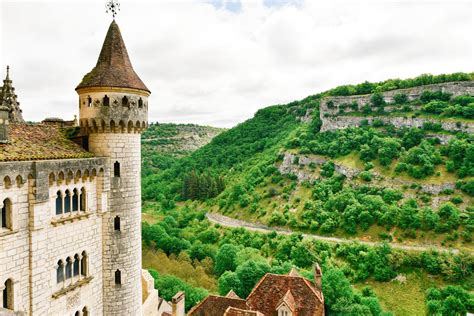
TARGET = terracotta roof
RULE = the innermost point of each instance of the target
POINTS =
(39, 142)
(113, 68)
(232, 294)
(214, 305)
(232, 311)
(272, 288)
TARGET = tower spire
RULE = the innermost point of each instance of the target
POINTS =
(8, 99)
(8, 73)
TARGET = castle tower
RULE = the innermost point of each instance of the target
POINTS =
(113, 107)
(8, 99)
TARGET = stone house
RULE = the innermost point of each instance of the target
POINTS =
(70, 234)
(273, 295)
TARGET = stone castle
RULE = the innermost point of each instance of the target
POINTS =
(70, 236)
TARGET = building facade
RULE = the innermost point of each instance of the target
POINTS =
(70, 199)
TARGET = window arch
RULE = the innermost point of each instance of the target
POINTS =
(140, 103)
(77, 313)
(117, 169)
(7, 182)
(84, 271)
(60, 272)
(85, 311)
(89, 101)
(68, 268)
(76, 265)
(6, 216)
(118, 277)
(8, 294)
(125, 101)
(59, 203)
(117, 223)
(75, 200)
(82, 200)
(106, 100)
(67, 201)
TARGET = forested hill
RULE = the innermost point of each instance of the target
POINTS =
(384, 162)
(162, 143)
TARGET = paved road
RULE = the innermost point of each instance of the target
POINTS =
(231, 222)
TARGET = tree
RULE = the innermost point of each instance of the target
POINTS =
(229, 281)
(249, 274)
(226, 259)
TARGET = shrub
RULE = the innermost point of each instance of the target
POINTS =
(400, 98)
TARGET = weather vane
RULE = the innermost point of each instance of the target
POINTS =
(112, 6)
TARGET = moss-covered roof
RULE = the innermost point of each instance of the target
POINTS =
(39, 142)
(113, 68)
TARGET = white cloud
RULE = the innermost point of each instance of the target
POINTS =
(217, 62)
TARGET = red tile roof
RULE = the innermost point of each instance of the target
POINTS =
(232, 311)
(288, 300)
(39, 142)
(113, 68)
(214, 305)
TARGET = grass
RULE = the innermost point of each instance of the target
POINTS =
(404, 299)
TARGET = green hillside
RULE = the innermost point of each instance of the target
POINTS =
(373, 181)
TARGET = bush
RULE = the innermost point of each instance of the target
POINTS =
(400, 98)
(366, 176)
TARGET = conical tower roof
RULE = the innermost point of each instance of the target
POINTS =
(113, 68)
(8, 100)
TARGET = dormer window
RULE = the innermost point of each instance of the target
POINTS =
(106, 100)
(125, 101)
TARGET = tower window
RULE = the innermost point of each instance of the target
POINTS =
(117, 223)
(67, 202)
(84, 264)
(125, 101)
(82, 200)
(75, 201)
(106, 100)
(76, 265)
(59, 203)
(140, 103)
(117, 169)
(85, 311)
(60, 272)
(89, 101)
(8, 295)
(118, 277)
(5, 218)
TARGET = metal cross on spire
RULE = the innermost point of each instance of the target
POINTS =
(112, 6)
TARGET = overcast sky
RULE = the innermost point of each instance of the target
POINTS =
(217, 62)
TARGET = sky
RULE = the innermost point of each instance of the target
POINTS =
(216, 62)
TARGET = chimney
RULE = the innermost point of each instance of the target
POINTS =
(4, 114)
(177, 304)
(317, 276)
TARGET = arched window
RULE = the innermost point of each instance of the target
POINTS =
(89, 101)
(117, 223)
(75, 201)
(140, 103)
(59, 203)
(77, 313)
(118, 277)
(76, 265)
(82, 200)
(60, 272)
(85, 311)
(106, 100)
(8, 295)
(67, 201)
(117, 169)
(84, 264)
(68, 268)
(125, 101)
(6, 216)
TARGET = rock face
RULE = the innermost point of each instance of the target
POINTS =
(332, 119)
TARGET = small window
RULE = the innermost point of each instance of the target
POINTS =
(118, 277)
(5, 218)
(82, 200)
(8, 295)
(89, 101)
(75, 201)
(60, 272)
(77, 313)
(140, 103)
(117, 223)
(106, 100)
(117, 169)
(85, 311)
(67, 201)
(125, 101)
(76, 265)
(68, 268)
(84, 264)
(59, 203)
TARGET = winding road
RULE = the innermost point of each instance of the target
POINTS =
(231, 222)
